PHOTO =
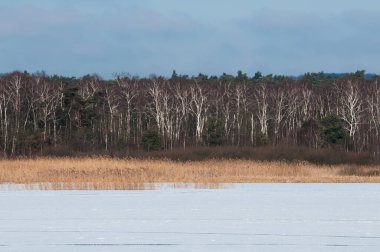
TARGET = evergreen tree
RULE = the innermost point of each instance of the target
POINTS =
(213, 134)
(331, 131)
(151, 140)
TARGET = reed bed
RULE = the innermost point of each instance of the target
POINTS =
(111, 173)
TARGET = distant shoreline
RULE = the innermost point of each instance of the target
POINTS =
(113, 173)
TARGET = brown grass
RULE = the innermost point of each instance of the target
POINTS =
(112, 173)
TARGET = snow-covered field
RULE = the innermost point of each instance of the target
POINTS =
(242, 217)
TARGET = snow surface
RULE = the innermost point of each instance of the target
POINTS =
(243, 217)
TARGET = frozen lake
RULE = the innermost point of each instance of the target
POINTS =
(243, 217)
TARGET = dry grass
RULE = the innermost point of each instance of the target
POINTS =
(111, 173)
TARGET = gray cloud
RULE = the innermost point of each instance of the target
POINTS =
(68, 40)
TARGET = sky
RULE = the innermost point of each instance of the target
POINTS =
(143, 37)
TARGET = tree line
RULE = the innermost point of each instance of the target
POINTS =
(40, 113)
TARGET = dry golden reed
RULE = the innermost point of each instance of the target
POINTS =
(111, 173)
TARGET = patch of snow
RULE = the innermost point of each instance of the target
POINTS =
(242, 217)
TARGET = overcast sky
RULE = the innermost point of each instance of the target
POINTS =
(140, 37)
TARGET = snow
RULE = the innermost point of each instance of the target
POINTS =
(241, 217)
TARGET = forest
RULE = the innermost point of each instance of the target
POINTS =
(42, 114)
